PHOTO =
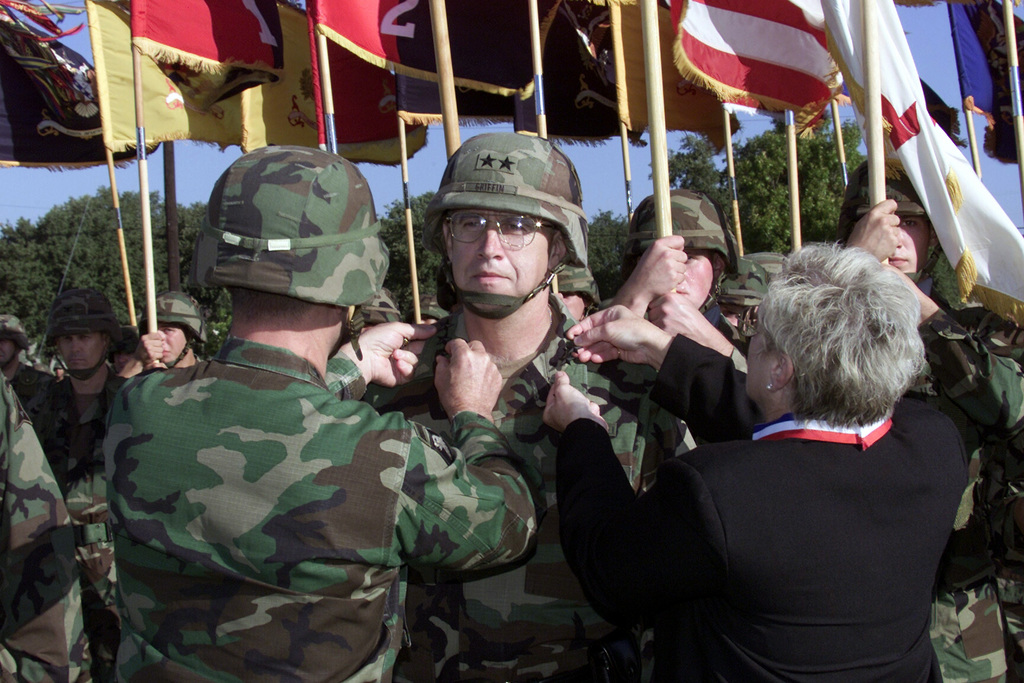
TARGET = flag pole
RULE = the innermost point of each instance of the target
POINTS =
(873, 104)
(727, 120)
(330, 133)
(1018, 115)
(538, 71)
(794, 182)
(116, 202)
(147, 227)
(627, 174)
(409, 237)
(968, 100)
(837, 125)
(445, 76)
(656, 116)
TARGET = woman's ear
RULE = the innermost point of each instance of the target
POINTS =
(780, 370)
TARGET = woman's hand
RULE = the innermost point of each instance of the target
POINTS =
(616, 333)
(566, 404)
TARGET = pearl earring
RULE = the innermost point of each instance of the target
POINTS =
(769, 386)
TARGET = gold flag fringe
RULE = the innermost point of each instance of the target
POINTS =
(956, 194)
(997, 302)
(162, 53)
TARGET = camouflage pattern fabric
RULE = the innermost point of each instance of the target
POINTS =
(744, 288)
(769, 260)
(531, 620)
(856, 201)
(28, 381)
(266, 542)
(516, 173)
(11, 328)
(294, 221)
(982, 391)
(576, 280)
(430, 308)
(80, 311)
(380, 309)
(178, 308)
(695, 216)
(41, 637)
(73, 447)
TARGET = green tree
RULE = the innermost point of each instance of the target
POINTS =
(607, 235)
(428, 263)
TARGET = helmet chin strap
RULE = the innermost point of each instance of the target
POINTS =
(87, 373)
(498, 306)
(184, 350)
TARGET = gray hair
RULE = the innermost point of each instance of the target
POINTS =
(849, 326)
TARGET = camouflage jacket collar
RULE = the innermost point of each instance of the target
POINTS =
(250, 354)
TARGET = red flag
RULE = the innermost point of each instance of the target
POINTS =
(490, 41)
(772, 51)
(365, 109)
(211, 50)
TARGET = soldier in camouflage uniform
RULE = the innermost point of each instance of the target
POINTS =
(41, 638)
(381, 308)
(70, 420)
(26, 379)
(675, 280)
(430, 310)
(268, 539)
(180, 324)
(981, 390)
(506, 217)
(738, 298)
(123, 353)
(578, 291)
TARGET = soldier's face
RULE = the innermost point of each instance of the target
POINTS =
(488, 265)
(8, 352)
(82, 351)
(916, 235)
(575, 303)
(699, 277)
(174, 342)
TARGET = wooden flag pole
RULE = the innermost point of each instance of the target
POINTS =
(627, 174)
(538, 71)
(409, 237)
(794, 181)
(837, 125)
(330, 133)
(116, 202)
(873, 104)
(147, 227)
(972, 138)
(445, 76)
(727, 120)
(656, 116)
(1018, 113)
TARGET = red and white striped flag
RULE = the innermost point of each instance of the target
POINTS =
(771, 54)
(976, 234)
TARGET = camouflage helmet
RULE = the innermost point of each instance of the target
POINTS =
(695, 216)
(430, 308)
(579, 281)
(381, 308)
(746, 287)
(294, 221)
(11, 328)
(769, 260)
(856, 201)
(516, 173)
(178, 308)
(129, 340)
(80, 311)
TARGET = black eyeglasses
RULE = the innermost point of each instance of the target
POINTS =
(514, 231)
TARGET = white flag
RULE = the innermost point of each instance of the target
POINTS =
(979, 239)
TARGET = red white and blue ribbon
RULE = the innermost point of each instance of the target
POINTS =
(789, 427)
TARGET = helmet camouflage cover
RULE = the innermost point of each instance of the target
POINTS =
(769, 260)
(381, 308)
(11, 328)
(515, 173)
(80, 311)
(695, 216)
(579, 281)
(294, 221)
(746, 287)
(178, 308)
(856, 201)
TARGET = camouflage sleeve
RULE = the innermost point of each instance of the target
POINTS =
(344, 378)
(40, 602)
(987, 387)
(466, 505)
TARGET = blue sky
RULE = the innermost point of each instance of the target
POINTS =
(30, 193)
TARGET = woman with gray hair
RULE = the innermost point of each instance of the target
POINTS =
(806, 550)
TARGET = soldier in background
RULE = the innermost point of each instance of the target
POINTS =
(41, 636)
(674, 280)
(70, 420)
(26, 379)
(507, 216)
(578, 291)
(430, 310)
(739, 295)
(261, 523)
(123, 353)
(981, 388)
(180, 324)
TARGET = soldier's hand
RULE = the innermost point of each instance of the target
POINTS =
(676, 314)
(617, 333)
(467, 379)
(659, 270)
(390, 351)
(150, 351)
(566, 404)
(877, 231)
